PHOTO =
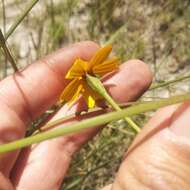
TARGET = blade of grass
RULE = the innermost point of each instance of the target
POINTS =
(20, 18)
(4, 16)
(7, 52)
(167, 83)
(89, 123)
(114, 36)
(4, 32)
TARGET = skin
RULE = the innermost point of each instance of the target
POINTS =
(158, 158)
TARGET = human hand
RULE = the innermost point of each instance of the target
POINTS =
(27, 94)
(159, 158)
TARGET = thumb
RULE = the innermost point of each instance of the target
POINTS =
(159, 158)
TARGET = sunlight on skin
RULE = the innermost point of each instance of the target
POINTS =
(28, 105)
(159, 156)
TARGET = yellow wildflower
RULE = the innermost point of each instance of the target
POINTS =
(97, 66)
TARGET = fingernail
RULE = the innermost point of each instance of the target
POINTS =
(180, 123)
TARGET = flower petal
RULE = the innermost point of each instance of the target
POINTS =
(72, 91)
(106, 67)
(78, 69)
(90, 101)
(100, 56)
(90, 96)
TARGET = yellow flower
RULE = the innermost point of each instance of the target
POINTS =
(99, 65)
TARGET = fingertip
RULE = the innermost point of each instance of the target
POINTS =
(143, 71)
(61, 60)
(131, 81)
(87, 48)
(87, 43)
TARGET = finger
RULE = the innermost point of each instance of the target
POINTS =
(5, 184)
(46, 77)
(55, 155)
(28, 93)
(160, 157)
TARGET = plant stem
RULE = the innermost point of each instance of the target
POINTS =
(97, 85)
(90, 123)
(4, 16)
(117, 108)
(4, 32)
(7, 51)
(159, 85)
(20, 18)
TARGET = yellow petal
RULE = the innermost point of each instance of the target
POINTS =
(78, 69)
(106, 67)
(90, 101)
(100, 56)
(71, 91)
(90, 96)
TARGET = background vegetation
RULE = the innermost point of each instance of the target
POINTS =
(156, 31)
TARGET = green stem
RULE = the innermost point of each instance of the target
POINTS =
(20, 18)
(97, 85)
(7, 52)
(117, 108)
(90, 123)
(159, 85)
